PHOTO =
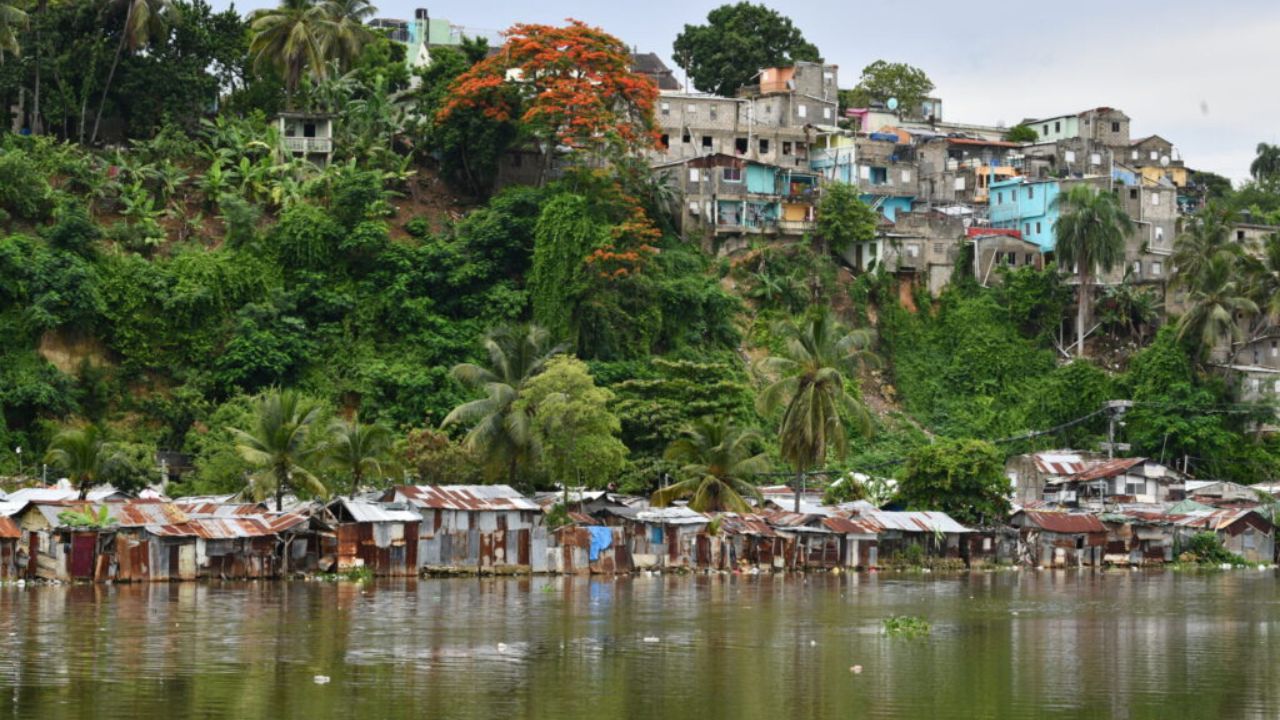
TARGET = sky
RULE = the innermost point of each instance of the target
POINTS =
(1203, 75)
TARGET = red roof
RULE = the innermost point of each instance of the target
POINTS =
(1065, 522)
(987, 143)
(9, 529)
(982, 231)
(850, 526)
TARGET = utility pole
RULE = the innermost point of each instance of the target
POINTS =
(1115, 412)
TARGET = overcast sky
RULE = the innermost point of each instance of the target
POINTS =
(1204, 75)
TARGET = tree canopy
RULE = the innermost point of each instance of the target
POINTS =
(883, 80)
(735, 43)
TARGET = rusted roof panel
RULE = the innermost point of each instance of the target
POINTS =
(465, 497)
(9, 529)
(849, 526)
(230, 528)
(218, 509)
(735, 524)
(1060, 522)
(1107, 469)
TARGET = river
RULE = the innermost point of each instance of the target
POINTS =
(1005, 644)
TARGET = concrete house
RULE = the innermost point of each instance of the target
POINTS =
(1121, 480)
(307, 135)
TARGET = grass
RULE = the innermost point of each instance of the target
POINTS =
(908, 626)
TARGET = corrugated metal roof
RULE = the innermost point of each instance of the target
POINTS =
(1106, 469)
(218, 509)
(60, 494)
(1060, 522)
(915, 521)
(365, 511)
(11, 507)
(231, 528)
(1213, 520)
(9, 529)
(849, 526)
(465, 497)
(735, 524)
(674, 515)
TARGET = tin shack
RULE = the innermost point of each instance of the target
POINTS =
(481, 528)
(382, 537)
(1059, 539)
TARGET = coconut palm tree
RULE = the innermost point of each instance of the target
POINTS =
(82, 454)
(500, 433)
(1208, 234)
(358, 450)
(716, 459)
(295, 38)
(1216, 305)
(347, 34)
(813, 383)
(12, 20)
(1090, 231)
(1266, 165)
(145, 21)
(279, 445)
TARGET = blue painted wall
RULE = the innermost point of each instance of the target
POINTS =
(1026, 206)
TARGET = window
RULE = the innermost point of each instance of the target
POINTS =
(960, 183)
(1031, 193)
(309, 130)
(686, 138)
(786, 147)
(1046, 130)
(913, 250)
(1133, 155)
(1011, 259)
(1275, 349)
(764, 146)
(693, 175)
(1135, 486)
(1070, 156)
(864, 172)
(1133, 193)
(802, 110)
(666, 108)
(1239, 235)
(1095, 159)
(1157, 268)
(999, 196)
(1026, 229)
(706, 141)
(879, 175)
(906, 176)
(713, 111)
(665, 142)
(655, 534)
(1159, 235)
(1115, 127)
(1137, 268)
(1057, 126)
(732, 174)
(740, 145)
(1154, 154)
(1031, 258)
(1155, 198)
(828, 78)
(937, 250)
(1037, 227)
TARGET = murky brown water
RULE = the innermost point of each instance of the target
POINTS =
(1007, 645)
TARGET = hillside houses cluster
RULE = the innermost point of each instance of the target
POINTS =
(1071, 510)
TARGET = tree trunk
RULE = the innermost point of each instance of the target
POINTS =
(799, 488)
(111, 74)
(1082, 312)
(37, 125)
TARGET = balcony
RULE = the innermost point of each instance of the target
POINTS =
(796, 227)
(308, 145)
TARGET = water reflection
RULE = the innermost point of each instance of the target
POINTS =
(1010, 645)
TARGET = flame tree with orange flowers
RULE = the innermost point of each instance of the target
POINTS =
(574, 90)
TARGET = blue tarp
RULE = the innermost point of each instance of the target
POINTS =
(601, 539)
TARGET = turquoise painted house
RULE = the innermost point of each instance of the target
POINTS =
(1028, 206)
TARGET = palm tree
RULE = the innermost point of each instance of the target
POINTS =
(499, 432)
(1208, 234)
(358, 449)
(1215, 306)
(294, 38)
(82, 454)
(1090, 235)
(279, 445)
(1267, 163)
(716, 459)
(12, 19)
(347, 34)
(811, 382)
(144, 21)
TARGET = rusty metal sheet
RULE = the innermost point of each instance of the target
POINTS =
(1071, 523)
(465, 497)
(9, 529)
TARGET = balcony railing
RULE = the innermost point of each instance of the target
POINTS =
(308, 145)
